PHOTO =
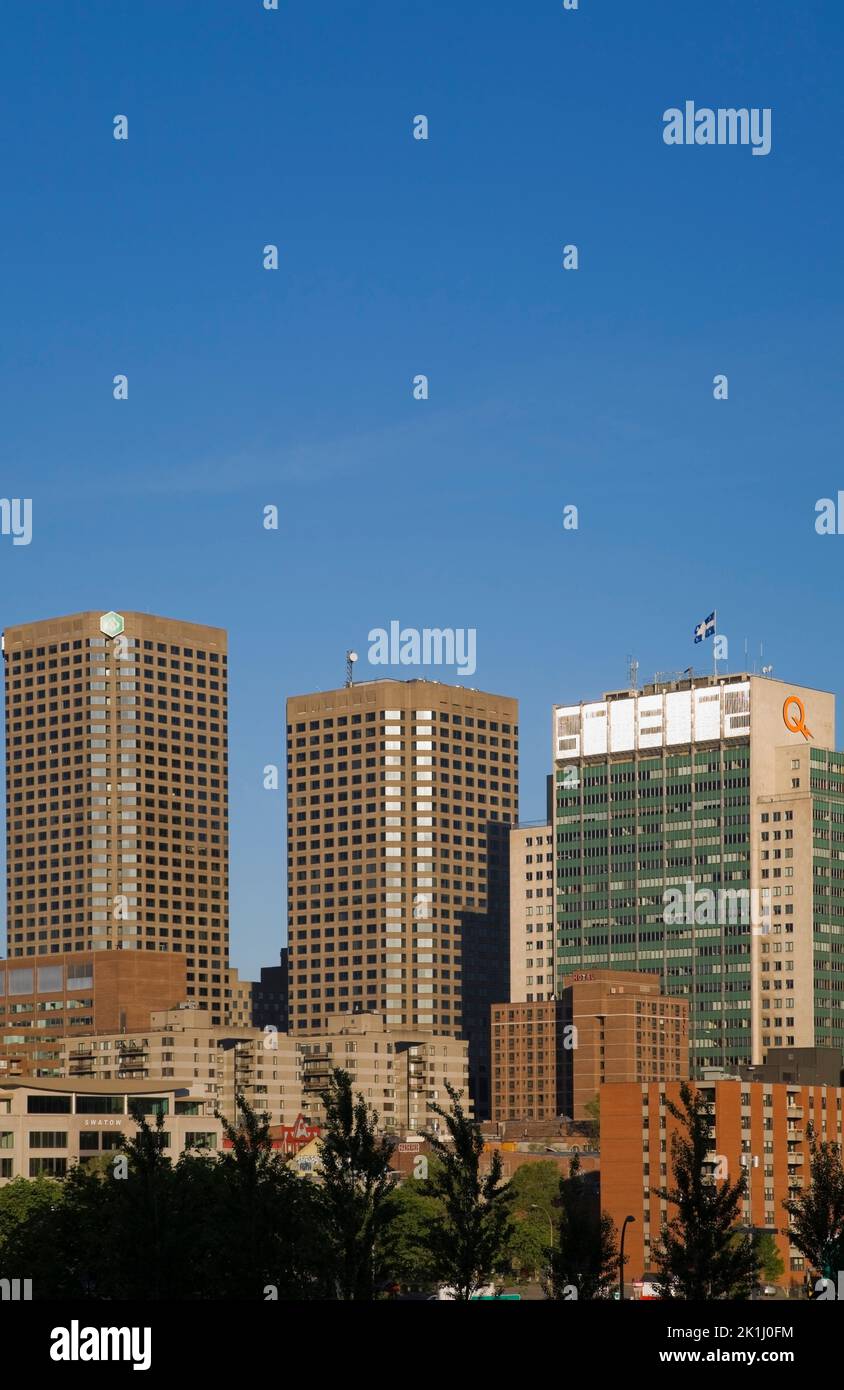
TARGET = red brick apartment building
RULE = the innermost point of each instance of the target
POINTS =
(758, 1126)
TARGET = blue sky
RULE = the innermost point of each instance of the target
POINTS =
(250, 387)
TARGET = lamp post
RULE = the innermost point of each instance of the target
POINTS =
(535, 1207)
(621, 1258)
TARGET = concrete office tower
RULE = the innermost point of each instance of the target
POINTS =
(117, 802)
(699, 833)
(399, 795)
(531, 912)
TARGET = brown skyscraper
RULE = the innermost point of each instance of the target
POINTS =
(116, 791)
(399, 798)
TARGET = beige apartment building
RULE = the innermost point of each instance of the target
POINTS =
(210, 1063)
(400, 1072)
(48, 1126)
(699, 834)
(116, 795)
(399, 798)
(531, 912)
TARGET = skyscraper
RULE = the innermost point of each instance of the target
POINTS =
(699, 832)
(116, 791)
(399, 794)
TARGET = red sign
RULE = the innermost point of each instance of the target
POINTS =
(289, 1138)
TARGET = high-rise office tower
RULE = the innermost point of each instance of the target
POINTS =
(699, 832)
(399, 794)
(116, 791)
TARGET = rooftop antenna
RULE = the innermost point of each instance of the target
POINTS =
(632, 673)
(351, 658)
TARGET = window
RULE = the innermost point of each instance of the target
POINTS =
(80, 975)
(48, 1105)
(49, 1167)
(50, 979)
(48, 1139)
(200, 1139)
(99, 1105)
(158, 1105)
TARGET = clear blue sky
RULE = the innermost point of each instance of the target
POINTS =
(397, 257)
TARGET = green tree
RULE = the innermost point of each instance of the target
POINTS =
(586, 1256)
(471, 1244)
(404, 1253)
(593, 1126)
(20, 1198)
(770, 1262)
(264, 1234)
(535, 1189)
(817, 1215)
(702, 1253)
(356, 1181)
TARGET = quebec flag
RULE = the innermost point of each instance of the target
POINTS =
(706, 628)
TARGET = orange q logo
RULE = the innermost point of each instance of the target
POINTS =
(796, 720)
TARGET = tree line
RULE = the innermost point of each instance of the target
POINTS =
(242, 1224)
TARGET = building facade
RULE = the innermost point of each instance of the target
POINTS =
(699, 833)
(47, 999)
(48, 1126)
(401, 1072)
(551, 1058)
(399, 798)
(210, 1063)
(756, 1126)
(116, 795)
(270, 1001)
(532, 896)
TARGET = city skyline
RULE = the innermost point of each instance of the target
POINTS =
(549, 388)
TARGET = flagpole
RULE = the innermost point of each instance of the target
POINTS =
(715, 642)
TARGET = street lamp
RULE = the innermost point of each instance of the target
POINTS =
(546, 1213)
(621, 1258)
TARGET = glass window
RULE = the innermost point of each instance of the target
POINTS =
(50, 979)
(80, 975)
(99, 1105)
(157, 1105)
(48, 1105)
(49, 1167)
(48, 1139)
(21, 981)
(200, 1139)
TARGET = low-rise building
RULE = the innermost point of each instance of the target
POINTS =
(47, 1126)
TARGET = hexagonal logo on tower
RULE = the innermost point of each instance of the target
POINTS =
(111, 624)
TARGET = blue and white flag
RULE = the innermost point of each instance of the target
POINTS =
(706, 628)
